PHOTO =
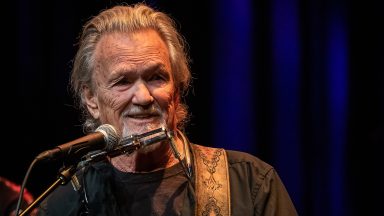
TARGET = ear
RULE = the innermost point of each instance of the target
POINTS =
(91, 102)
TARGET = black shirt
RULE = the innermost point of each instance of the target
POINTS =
(255, 188)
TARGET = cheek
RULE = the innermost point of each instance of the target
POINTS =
(164, 98)
(112, 104)
(168, 105)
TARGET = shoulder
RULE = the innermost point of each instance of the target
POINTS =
(242, 158)
(243, 161)
(267, 192)
(247, 167)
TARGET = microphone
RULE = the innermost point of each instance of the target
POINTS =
(104, 138)
(128, 144)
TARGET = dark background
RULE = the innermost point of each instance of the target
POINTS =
(300, 84)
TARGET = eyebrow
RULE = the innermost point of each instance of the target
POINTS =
(146, 69)
(155, 67)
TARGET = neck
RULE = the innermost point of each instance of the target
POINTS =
(155, 157)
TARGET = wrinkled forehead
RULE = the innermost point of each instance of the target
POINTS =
(140, 43)
(131, 51)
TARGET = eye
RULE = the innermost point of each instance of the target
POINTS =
(122, 81)
(157, 77)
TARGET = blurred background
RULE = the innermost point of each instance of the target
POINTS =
(298, 83)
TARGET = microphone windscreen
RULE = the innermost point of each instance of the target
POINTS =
(110, 135)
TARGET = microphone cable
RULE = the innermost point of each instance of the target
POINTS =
(21, 194)
(187, 164)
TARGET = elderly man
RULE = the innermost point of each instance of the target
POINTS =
(131, 71)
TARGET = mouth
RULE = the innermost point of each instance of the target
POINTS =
(143, 116)
(139, 115)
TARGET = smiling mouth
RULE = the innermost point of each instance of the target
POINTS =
(143, 116)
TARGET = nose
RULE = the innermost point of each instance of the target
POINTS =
(141, 96)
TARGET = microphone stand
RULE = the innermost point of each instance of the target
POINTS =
(62, 179)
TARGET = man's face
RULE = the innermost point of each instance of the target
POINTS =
(133, 84)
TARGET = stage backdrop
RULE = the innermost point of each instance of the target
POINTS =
(298, 83)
